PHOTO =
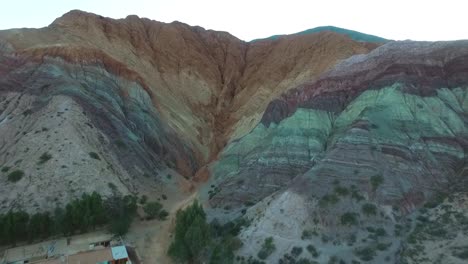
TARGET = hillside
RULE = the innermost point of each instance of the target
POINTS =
(329, 137)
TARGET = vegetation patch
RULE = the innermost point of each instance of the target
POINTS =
(155, 210)
(342, 191)
(349, 219)
(369, 209)
(44, 158)
(268, 247)
(80, 215)
(328, 199)
(308, 234)
(15, 175)
(296, 251)
(365, 254)
(376, 181)
(313, 251)
(192, 235)
(94, 155)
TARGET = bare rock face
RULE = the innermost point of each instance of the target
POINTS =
(361, 149)
(144, 96)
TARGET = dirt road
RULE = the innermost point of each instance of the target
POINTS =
(152, 238)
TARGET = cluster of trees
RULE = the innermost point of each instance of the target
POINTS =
(155, 210)
(196, 241)
(81, 215)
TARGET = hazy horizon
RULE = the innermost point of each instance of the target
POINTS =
(248, 20)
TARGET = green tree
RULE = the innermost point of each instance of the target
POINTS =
(152, 209)
(39, 226)
(267, 249)
(121, 212)
(15, 226)
(192, 234)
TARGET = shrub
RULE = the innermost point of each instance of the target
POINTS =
(383, 246)
(328, 199)
(356, 195)
(369, 209)
(349, 219)
(143, 199)
(305, 261)
(365, 254)
(333, 260)
(267, 249)
(44, 158)
(15, 175)
(5, 169)
(463, 254)
(112, 186)
(313, 251)
(380, 232)
(94, 155)
(376, 181)
(307, 234)
(120, 144)
(296, 251)
(343, 191)
(152, 209)
(163, 214)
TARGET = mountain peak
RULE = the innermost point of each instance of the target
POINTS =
(354, 35)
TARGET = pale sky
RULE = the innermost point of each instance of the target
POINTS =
(251, 19)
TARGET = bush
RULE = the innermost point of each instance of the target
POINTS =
(307, 234)
(44, 158)
(376, 181)
(328, 199)
(356, 195)
(365, 254)
(349, 219)
(15, 175)
(369, 209)
(342, 191)
(383, 246)
(463, 254)
(143, 199)
(267, 249)
(5, 169)
(313, 251)
(333, 260)
(94, 155)
(380, 232)
(152, 209)
(305, 261)
(296, 251)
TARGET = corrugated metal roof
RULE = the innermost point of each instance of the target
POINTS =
(119, 252)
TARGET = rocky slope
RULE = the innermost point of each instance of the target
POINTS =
(318, 138)
(149, 98)
(362, 148)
